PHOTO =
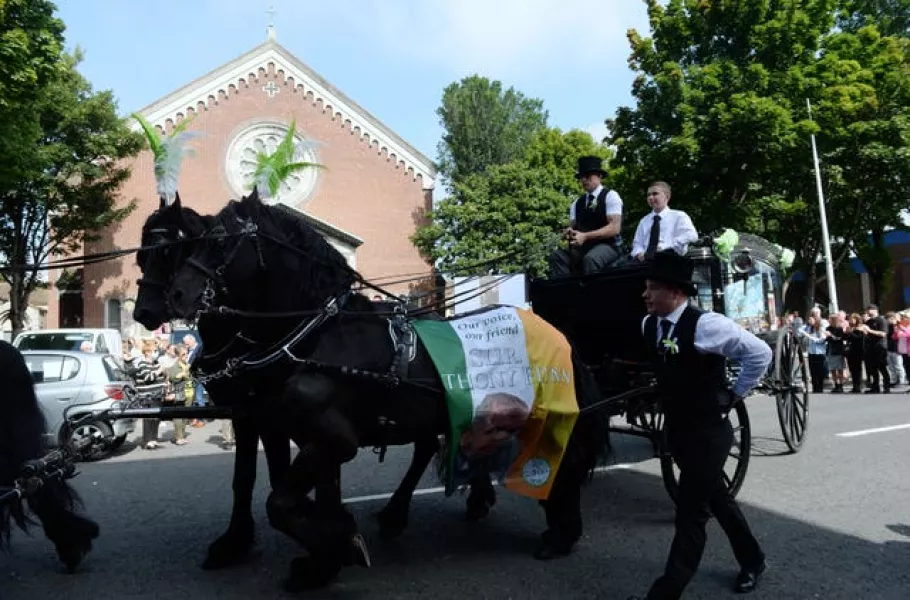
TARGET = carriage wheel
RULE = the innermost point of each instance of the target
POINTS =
(791, 389)
(737, 462)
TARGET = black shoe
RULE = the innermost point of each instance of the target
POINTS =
(747, 580)
(873, 391)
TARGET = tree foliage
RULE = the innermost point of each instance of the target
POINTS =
(68, 194)
(509, 213)
(484, 126)
(721, 114)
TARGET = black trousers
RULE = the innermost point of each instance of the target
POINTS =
(701, 454)
(818, 365)
(855, 364)
(566, 261)
(877, 367)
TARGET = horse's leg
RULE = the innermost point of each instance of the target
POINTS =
(394, 517)
(564, 523)
(481, 499)
(71, 534)
(324, 527)
(234, 545)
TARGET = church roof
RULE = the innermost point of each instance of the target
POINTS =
(218, 83)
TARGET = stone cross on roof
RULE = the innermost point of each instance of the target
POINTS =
(270, 30)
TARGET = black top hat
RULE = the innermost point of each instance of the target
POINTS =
(669, 267)
(590, 164)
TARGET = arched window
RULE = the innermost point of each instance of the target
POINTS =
(113, 308)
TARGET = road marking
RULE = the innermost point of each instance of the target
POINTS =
(440, 490)
(876, 430)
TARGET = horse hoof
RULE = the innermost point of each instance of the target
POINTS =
(229, 550)
(360, 552)
(548, 552)
(73, 551)
(307, 574)
(391, 525)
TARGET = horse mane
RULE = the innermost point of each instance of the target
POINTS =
(321, 270)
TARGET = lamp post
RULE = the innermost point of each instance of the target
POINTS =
(829, 263)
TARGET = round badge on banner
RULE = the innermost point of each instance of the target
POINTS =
(536, 472)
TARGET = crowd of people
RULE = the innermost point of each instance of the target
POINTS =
(161, 372)
(867, 349)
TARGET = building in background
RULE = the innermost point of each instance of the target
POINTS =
(374, 192)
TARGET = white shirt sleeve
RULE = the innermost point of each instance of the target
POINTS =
(613, 204)
(684, 233)
(572, 211)
(640, 241)
(718, 334)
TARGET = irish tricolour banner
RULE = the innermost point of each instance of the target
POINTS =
(510, 390)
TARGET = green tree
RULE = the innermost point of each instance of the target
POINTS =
(890, 17)
(513, 210)
(31, 44)
(484, 126)
(69, 192)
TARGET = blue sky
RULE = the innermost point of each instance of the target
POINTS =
(393, 57)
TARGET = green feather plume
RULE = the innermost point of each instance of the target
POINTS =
(168, 151)
(272, 169)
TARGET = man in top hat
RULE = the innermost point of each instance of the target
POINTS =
(664, 228)
(689, 349)
(594, 222)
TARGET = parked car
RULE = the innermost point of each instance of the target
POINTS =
(78, 383)
(104, 341)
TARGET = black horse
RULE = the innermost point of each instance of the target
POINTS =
(22, 427)
(265, 261)
(169, 236)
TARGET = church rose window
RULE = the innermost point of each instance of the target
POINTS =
(265, 137)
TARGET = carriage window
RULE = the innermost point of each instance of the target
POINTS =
(701, 276)
(751, 302)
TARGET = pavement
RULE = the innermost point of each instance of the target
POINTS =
(834, 521)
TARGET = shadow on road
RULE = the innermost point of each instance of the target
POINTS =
(157, 517)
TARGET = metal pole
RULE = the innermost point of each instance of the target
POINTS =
(829, 263)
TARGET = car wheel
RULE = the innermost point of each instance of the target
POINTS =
(90, 430)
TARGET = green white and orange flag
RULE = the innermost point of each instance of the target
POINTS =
(510, 390)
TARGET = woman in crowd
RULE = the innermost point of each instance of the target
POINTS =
(818, 348)
(837, 362)
(151, 382)
(901, 336)
(181, 390)
(856, 344)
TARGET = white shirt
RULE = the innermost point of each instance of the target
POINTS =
(613, 201)
(676, 232)
(717, 334)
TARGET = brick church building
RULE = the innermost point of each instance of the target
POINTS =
(372, 194)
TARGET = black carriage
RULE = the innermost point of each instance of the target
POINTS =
(602, 313)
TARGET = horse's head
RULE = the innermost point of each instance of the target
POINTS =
(167, 237)
(258, 257)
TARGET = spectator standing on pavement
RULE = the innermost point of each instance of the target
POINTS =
(876, 330)
(182, 390)
(818, 351)
(856, 351)
(902, 337)
(895, 363)
(837, 362)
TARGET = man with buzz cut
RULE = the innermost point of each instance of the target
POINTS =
(664, 228)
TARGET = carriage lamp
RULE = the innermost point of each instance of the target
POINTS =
(742, 262)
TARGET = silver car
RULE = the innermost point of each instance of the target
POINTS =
(79, 383)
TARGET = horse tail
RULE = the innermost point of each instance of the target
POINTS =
(590, 441)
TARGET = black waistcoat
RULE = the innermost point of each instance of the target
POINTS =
(590, 219)
(693, 385)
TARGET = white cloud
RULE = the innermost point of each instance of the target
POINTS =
(496, 36)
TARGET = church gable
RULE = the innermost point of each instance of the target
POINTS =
(255, 68)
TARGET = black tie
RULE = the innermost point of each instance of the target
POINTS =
(590, 200)
(665, 325)
(655, 237)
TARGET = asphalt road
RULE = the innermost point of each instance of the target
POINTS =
(834, 521)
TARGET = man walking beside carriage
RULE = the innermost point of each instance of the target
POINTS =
(690, 349)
